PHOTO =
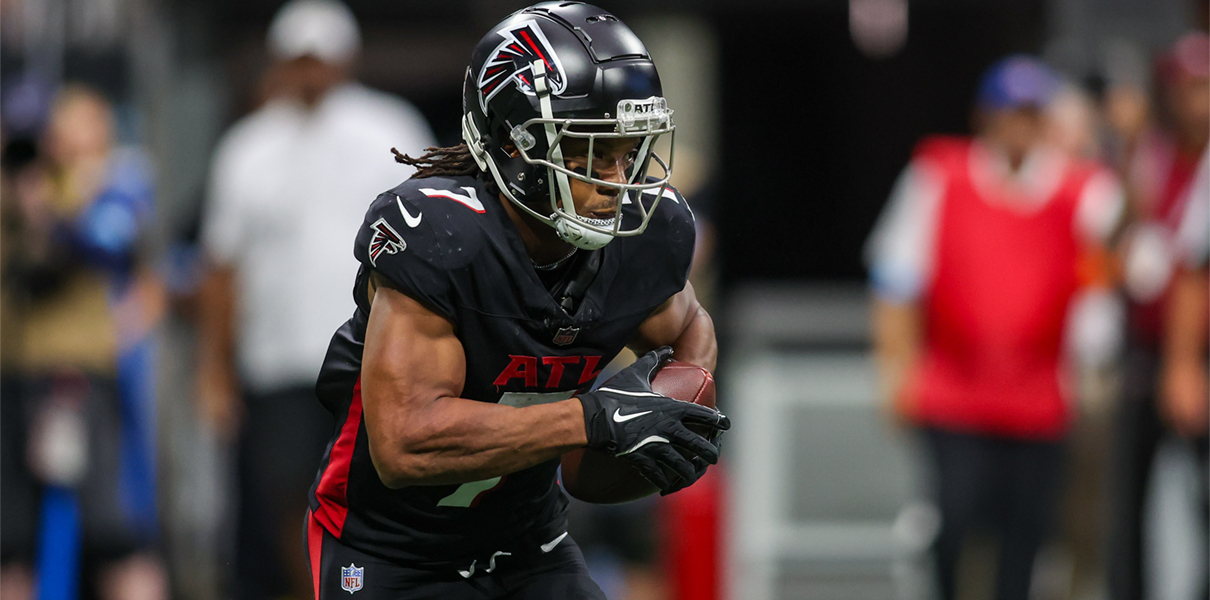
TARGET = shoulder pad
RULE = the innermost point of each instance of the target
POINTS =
(413, 240)
(673, 210)
(445, 194)
(670, 236)
(448, 212)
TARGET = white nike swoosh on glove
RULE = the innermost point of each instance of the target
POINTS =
(618, 417)
(649, 440)
(407, 216)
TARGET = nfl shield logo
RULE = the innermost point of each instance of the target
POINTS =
(350, 577)
(565, 336)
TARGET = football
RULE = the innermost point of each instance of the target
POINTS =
(595, 476)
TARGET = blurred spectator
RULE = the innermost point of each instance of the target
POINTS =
(78, 305)
(1071, 123)
(1183, 393)
(1074, 559)
(1125, 107)
(288, 189)
(1160, 172)
(973, 266)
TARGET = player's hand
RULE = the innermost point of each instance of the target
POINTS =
(625, 418)
(679, 483)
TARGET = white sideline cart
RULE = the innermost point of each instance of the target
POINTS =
(824, 499)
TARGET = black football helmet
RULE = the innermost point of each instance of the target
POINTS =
(561, 70)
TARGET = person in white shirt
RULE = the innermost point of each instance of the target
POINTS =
(287, 190)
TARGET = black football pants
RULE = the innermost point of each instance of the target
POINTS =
(1009, 486)
(558, 575)
(282, 439)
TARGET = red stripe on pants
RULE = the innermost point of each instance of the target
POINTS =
(315, 544)
(333, 486)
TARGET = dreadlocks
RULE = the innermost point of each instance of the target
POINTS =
(440, 162)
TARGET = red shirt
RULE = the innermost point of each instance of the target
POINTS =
(995, 308)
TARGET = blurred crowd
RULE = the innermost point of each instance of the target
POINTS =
(1037, 282)
(80, 303)
(1012, 270)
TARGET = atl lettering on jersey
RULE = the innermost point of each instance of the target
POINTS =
(526, 368)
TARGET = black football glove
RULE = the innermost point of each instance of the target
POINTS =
(714, 436)
(626, 419)
(679, 483)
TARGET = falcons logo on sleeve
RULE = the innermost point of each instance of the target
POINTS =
(513, 59)
(385, 239)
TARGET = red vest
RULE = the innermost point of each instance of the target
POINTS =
(1164, 204)
(995, 310)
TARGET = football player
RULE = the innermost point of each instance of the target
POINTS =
(494, 286)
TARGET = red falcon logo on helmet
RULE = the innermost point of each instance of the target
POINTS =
(513, 59)
(385, 239)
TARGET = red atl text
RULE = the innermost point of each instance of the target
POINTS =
(525, 368)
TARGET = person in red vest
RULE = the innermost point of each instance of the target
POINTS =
(973, 266)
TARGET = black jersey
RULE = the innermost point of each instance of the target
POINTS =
(449, 244)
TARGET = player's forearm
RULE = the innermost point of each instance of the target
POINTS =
(455, 440)
(421, 432)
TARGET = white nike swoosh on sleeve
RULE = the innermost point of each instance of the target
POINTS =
(407, 217)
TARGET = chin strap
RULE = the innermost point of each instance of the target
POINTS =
(470, 135)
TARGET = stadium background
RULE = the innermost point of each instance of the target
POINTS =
(799, 136)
